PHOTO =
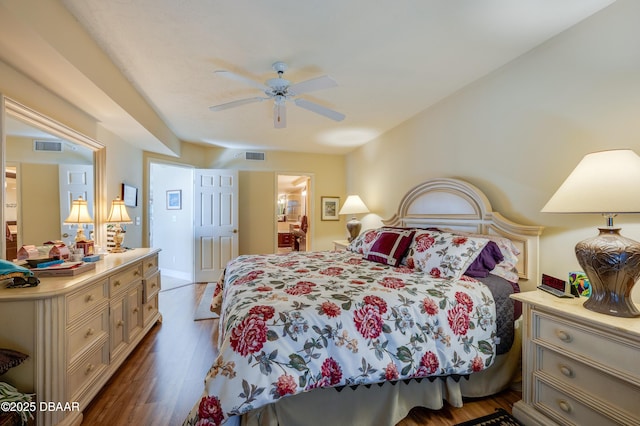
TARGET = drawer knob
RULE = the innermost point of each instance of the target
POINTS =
(136, 273)
(564, 406)
(89, 369)
(135, 310)
(90, 332)
(120, 323)
(89, 298)
(149, 265)
(116, 284)
(564, 336)
(566, 370)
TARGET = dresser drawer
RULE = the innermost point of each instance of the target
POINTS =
(86, 370)
(604, 351)
(86, 333)
(150, 265)
(151, 286)
(614, 393)
(86, 299)
(150, 309)
(119, 282)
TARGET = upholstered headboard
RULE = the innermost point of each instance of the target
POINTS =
(456, 204)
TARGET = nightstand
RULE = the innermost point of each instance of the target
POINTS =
(339, 245)
(578, 366)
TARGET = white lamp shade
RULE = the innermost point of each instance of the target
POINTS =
(353, 205)
(118, 213)
(79, 212)
(603, 182)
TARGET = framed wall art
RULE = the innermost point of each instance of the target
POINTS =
(330, 207)
(174, 199)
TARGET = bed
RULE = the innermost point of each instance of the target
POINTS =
(414, 313)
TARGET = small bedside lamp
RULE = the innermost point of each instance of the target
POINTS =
(118, 215)
(79, 215)
(607, 183)
(353, 205)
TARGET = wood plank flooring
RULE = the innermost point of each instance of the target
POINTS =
(163, 378)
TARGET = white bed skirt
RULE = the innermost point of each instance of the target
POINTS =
(387, 404)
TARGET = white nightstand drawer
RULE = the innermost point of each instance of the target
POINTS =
(612, 354)
(614, 393)
(567, 410)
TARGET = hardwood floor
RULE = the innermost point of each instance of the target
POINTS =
(163, 378)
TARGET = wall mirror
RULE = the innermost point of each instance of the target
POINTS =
(47, 165)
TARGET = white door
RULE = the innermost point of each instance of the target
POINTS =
(215, 222)
(75, 180)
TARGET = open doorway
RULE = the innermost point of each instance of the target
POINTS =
(171, 227)
(293, 213)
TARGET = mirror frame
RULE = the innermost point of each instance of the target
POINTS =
(21, 112)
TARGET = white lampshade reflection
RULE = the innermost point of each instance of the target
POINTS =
(78, 215)
(79, 212)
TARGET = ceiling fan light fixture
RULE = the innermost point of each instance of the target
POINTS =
(281, 91)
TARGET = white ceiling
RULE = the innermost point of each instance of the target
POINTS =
(391, 61)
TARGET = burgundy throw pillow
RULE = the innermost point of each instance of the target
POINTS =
(390, 246)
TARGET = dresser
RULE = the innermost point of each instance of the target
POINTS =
(579, 367)
(78, 330)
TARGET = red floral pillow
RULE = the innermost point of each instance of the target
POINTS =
(363, 242)
(390, 246)
(443, 254)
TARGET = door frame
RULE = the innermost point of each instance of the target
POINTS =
(310, 207)
(148, 225)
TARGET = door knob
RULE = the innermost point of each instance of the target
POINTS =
(235, 231)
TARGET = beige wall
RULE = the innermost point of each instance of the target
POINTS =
(42, 179)
(518, 132)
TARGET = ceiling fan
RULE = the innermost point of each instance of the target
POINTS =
(281, 91)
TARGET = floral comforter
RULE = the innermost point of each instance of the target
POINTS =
(293, 323)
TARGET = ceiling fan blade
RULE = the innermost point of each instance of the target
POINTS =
(279, 115)
(238, 77)
(318, 83)
(234, 104)
(319, 109)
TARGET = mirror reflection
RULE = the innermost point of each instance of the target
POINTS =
(44, 173)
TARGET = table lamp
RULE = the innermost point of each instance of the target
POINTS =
(79, 215)
(607, 183)
(118, 215)
(353, 205)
